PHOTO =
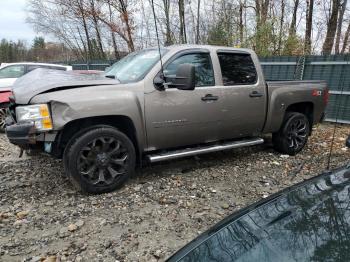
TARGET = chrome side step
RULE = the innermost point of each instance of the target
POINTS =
(203, 150)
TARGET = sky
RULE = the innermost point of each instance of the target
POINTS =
(12, 21)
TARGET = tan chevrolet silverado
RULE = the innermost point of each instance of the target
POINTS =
(200, 99)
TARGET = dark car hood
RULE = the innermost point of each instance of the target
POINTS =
(46, 80)
(307, 222)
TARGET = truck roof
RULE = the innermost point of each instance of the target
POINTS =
(209, 47)
(33, 63)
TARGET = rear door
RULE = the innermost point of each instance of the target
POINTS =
(243, 95)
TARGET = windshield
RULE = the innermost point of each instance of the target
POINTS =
(135, 66)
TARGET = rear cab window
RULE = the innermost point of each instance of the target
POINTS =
(237, 68)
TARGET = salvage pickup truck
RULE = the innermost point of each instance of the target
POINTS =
(194, 100)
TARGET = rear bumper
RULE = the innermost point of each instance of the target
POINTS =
(22, 135)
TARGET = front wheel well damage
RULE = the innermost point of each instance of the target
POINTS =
(79, 126)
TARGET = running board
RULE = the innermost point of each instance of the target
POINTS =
(203, 150)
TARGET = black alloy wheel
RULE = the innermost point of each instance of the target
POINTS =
(293, 135)
(103, 160)
(99, 160)
(297, 133)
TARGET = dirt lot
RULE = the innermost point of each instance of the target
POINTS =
(157, 212)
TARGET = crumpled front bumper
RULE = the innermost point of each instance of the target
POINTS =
(22, 135)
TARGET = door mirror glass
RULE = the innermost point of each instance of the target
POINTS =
(185, 77)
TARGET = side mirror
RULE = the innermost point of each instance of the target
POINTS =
(107, 68)
(185, 77)
(348, 142)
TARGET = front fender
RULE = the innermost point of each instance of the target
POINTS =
(74, 104)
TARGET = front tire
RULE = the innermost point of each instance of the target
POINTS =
(293, 135)
(100, 160)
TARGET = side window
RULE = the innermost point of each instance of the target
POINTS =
(14, 71)
(237, 69)
(33, 67)
(203, 68)
(58, 68)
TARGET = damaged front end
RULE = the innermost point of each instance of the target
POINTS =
(30, 127)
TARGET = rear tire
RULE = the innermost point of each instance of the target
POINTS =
(100, 160)
(293, 135)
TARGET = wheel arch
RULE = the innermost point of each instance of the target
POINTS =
(276, 116)
(306, 108)
(78, 126)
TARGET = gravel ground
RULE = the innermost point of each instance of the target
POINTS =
(158, 211)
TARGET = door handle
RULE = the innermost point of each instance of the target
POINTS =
(209, 97)
(255, 94)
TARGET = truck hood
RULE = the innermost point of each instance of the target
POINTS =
(45, 80)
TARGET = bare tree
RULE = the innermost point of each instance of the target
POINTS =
(308, 31)
(93, 12)
(292, 28)
(283, 6)
(181, 5)
(346, 39)
(331, 28)
(198, 19)
(339, 25)
(168, 38)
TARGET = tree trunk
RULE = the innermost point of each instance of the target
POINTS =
(198, 19)
(339, 26)
(308, 31)
(168, 39)
(181, 4)
(97, 30)
(331, 28)
(89, 55)
(292, 29)
(346, 39)
(241, 25)
(114, 41)
(125, 18)
(283, 5)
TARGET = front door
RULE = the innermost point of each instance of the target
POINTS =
(178, 118)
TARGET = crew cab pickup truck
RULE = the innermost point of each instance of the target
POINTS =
(194, 100)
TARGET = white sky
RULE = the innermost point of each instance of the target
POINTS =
(12, 21)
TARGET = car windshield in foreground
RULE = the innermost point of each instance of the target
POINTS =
(309, 222)
(135, 66)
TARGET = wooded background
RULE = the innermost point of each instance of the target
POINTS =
(107, 29)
